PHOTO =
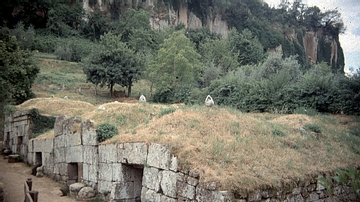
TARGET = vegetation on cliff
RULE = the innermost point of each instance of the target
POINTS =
(238, 71)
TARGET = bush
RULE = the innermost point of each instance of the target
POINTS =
(74, 49)
(40, 123)
(313, 127)
(25, 37)
(106, 131)
(166, 111)
(45, 43)
(277, 132)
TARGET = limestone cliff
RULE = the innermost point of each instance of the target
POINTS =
(164, 16)
(310, 46)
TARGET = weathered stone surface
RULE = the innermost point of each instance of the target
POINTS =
(90, 154)
(313, 197)
(74, 154)
(295, 198)
(86, 193)
(75, 188)
(152, 178)
(192, 181)
(121, 190)
(105, 172)
(107, 153)
(159, 156)
(60, 141)
(85, 174)
(168, 183)
(73, 140)
(117, 172)
(150, 195)
(174, 163)
(104, 186)
(134, 153)
(60, 155)
(167, 199)
(185, 190)
(58, 126)
(69, 125)
(30, 146)
(203, 194)
(89, 137)
(93, 172)
(43, 145)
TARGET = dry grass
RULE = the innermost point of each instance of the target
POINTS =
(236, 150)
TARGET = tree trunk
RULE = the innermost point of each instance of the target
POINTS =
(129, 86)
(111, 89)
(129, 90)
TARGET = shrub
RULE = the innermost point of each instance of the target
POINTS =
(74, 49)
(45, 43)
(166, 111)
(105, 131)
(24, 36)
(313, 127)
(40, 123)
(277, 132)
(307, 111)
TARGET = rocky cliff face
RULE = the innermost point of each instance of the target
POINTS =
(318, 45)
(163, 16)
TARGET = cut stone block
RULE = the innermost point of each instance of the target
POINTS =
(159, 156)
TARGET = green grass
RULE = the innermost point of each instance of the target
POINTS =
(224, 144)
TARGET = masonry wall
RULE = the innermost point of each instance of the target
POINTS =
(17, 132)
(146, 172)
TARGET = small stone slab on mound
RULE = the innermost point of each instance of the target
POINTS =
(86, 193)
(14, 158)
(75, 188)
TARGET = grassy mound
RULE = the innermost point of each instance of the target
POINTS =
(237, 150)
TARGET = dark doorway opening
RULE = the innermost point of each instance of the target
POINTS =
(73, 175)
(38, 158)
(133, 175)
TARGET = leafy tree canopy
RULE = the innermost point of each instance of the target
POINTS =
(114, 63)
(177, 63)
(18, 71)
(247, 46)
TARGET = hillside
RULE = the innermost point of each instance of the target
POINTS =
(237, 150)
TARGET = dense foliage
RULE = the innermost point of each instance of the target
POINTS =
(113, 63)
(18, 71)
(184, 65)
(40, 123)
(105, 131)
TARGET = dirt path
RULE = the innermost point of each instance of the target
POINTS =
(13, 176)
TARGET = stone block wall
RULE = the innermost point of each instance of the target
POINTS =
(17, 132)
(145, 172)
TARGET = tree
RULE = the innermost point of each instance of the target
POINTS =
(247, 46)
(17, 70)
(63, 20)
(135, 30)
(176, 64)
(96, 25)
(220, 52)
(114, 63)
